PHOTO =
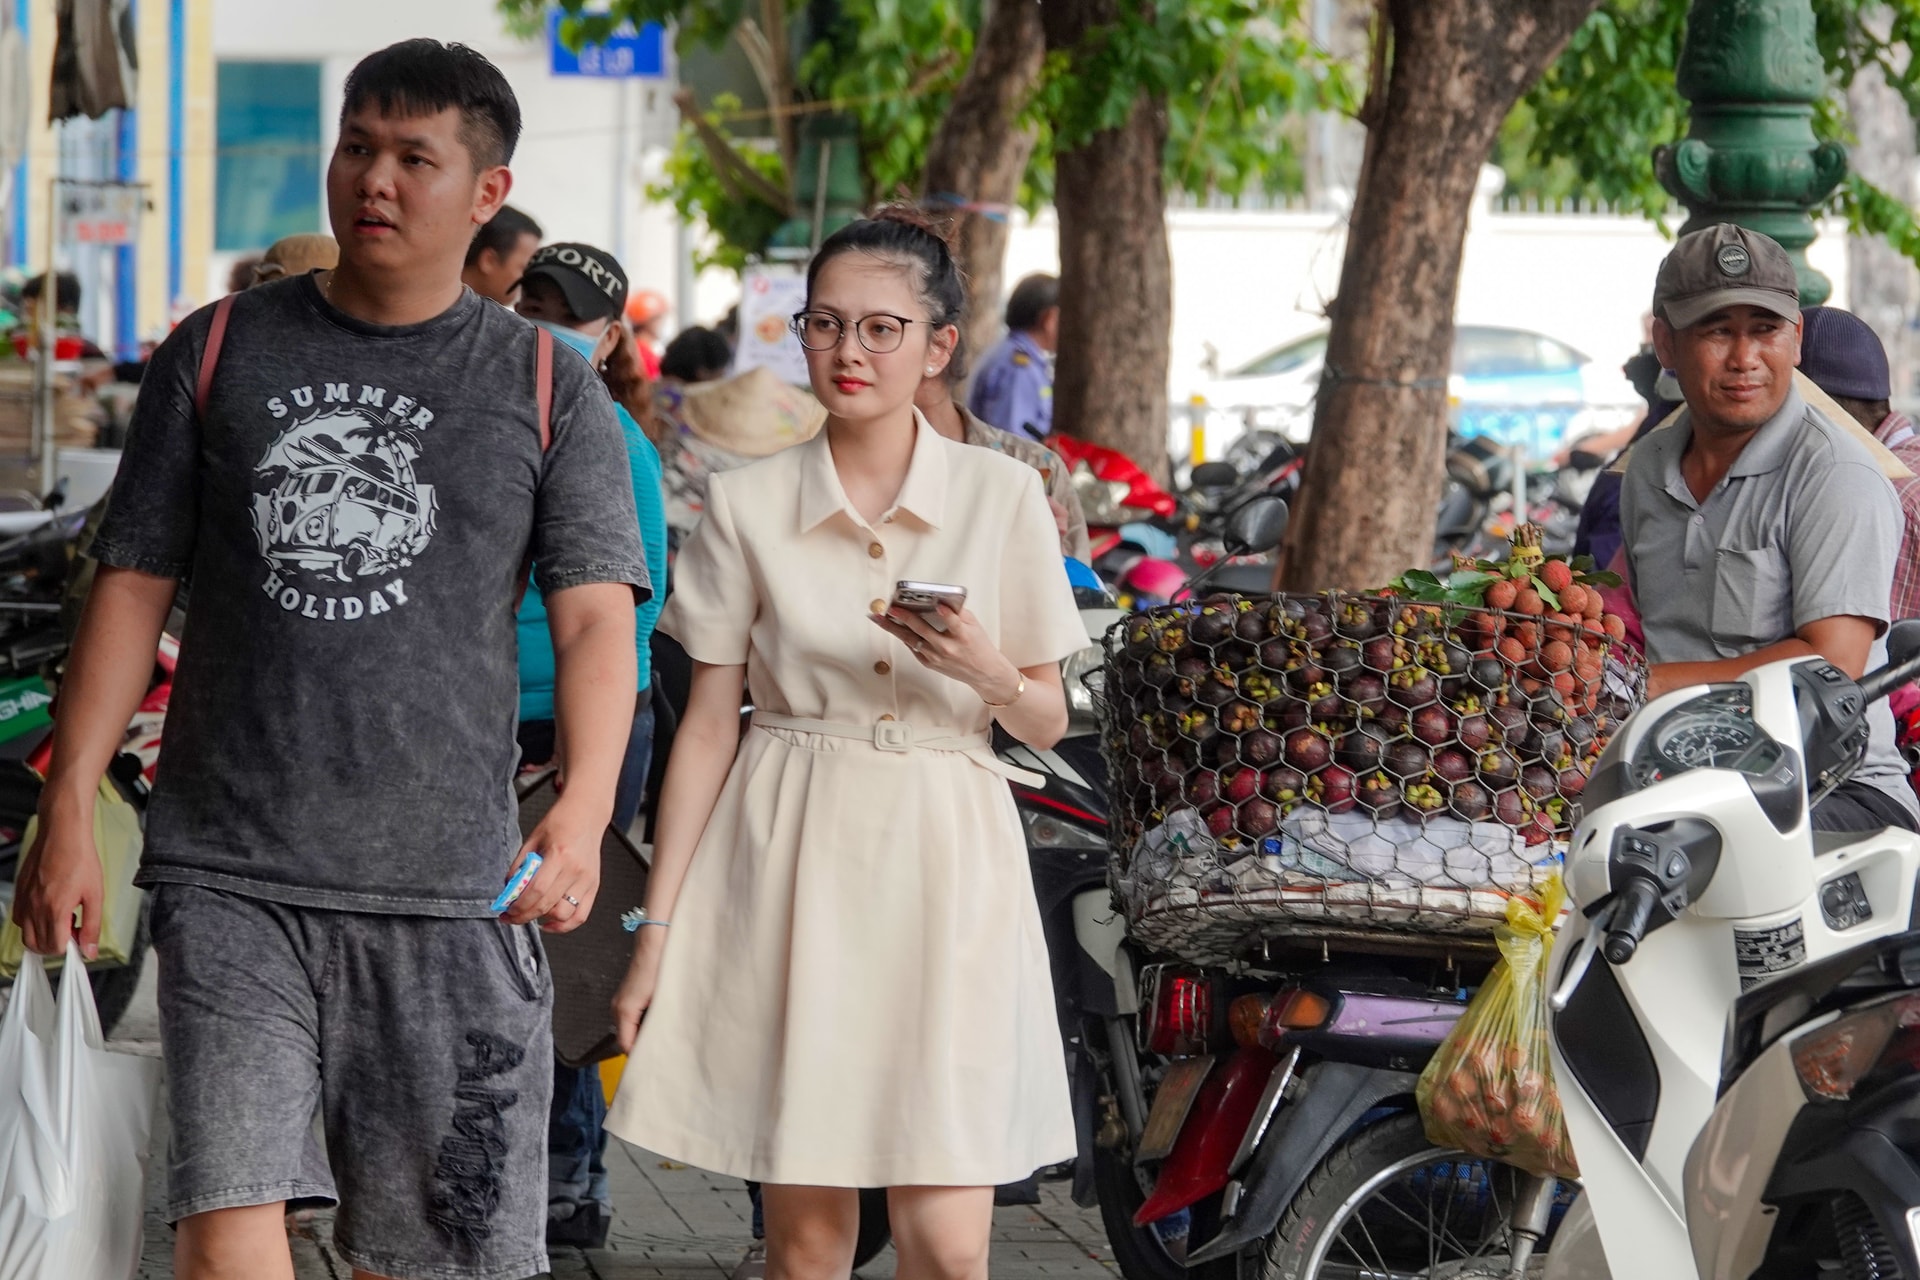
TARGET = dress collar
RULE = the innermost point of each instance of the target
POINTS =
(923, 493)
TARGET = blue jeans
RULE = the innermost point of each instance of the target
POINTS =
(537, 747)
(577, 1143)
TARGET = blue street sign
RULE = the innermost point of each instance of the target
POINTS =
(626, 53)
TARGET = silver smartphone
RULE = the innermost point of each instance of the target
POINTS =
(925, 598)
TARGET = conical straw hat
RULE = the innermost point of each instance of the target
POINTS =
(752, 414)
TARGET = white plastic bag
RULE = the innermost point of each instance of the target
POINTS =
(74, 1124)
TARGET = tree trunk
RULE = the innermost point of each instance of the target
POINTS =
(1116, 275)
(980, 153)
(1372, 483)
(1880, 279)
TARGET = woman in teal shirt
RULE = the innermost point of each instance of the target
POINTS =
(576, 292)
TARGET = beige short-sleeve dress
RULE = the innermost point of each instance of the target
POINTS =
(855, 989)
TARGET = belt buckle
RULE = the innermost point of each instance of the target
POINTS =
(892, 735)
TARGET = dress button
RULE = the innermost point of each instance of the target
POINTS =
(875, 550)
(886, 717)
(878, 606)
(881, 667)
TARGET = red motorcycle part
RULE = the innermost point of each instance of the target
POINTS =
(1202, 1158)
(1111, 464)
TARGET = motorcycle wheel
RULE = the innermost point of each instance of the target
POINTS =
(1137, 1251)
(1390, 1202)
(876, 1231)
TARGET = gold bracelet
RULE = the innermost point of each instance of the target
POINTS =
(1017, 691)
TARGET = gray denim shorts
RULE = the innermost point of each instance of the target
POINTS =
(425, 1045)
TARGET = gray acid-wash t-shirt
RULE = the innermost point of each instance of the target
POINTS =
(1803, 526)
(354, 515)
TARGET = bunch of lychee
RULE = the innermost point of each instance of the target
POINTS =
(1245, 708)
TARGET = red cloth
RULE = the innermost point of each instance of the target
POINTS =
(1111, 464)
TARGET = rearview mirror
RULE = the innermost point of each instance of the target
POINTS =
(1903, 641)
(1214, 475)
(1258, 526)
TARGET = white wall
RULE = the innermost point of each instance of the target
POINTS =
(1247, 282)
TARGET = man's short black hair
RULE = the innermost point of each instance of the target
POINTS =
(502, 232)
(1032, 298)
(424, 77)
(694, 352)
(66, 290)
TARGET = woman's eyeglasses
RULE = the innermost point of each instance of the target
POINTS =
(879, 333)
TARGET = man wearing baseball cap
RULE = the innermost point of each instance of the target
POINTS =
(576, 293)
(1757, 529)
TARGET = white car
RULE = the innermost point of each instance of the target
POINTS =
(1518, 386)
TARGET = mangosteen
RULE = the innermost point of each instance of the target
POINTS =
(1258, 686)
(1220, 822)
(1404, 758)
(1382, 653)
(1550, 744)
(1173, 636)
(1549, 704)
(1539, 830)
(1308, 750)
(1539, 781)
(1470, 801)
(1434, 725)
(1283, 785)
(1516, 731)
(1202, 788)
(1573, 781)
(1239, 717)
(1140, 739)
(1363, 746)
(1393, 717)
(1288, 713)
(1213, 625)
(1217, 689)
(1253, 626)
(1581, 734)
(1257, 818)
(1512, 807)
(1239, 784)
(1332, 789)
(1368, 692)
(1488, 674)
(1189, 670)
(1198, 726)
(1473, 732)
(1314, 628)
(1260, 748)
(1412, 687)
(1276, 654)
(1378, 792)
(1158, 670)
(1499, 764)
(1423, 799)
(1451, 764)
(1341, 659)
(1324, 704)
(1162, 777)
(1358, 619)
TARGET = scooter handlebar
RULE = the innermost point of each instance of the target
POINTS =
(1631, 916)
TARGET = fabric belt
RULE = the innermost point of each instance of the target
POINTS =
(900, 737)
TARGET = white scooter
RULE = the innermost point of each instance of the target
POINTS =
(1693, 875)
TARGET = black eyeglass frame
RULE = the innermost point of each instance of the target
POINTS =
(798, 324)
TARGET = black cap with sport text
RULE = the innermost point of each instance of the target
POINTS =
(590, 279)
(1725, 265)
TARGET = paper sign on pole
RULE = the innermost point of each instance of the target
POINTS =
(98, 212)
(770, 297)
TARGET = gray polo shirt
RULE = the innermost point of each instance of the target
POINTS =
(1803, 526)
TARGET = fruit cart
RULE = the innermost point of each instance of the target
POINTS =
(1374, 771)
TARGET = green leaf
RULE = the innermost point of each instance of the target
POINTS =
(1471, 580)
(1420, 577)
(1583, 564)
(1600, 578)
(1553, 601)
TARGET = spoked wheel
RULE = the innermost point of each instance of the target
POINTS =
(1390, 1205)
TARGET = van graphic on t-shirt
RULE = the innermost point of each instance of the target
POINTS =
(336, 497)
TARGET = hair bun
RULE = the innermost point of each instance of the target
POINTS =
(912, 215)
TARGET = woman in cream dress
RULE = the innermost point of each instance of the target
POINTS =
(850, 987)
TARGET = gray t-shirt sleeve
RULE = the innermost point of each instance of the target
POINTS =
(584, 525)
(1842, 542)
(153, 515)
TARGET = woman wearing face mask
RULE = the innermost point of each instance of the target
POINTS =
(853, 990)
(576, 292)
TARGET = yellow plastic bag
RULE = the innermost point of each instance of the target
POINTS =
(117, 837)
(1489, 1089)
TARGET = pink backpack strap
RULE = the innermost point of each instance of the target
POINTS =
(210, 356)
(543, 396)
(543, 384)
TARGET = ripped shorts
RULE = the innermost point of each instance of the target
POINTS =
(424, 1046)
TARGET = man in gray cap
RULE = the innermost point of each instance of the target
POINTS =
(1755, 528)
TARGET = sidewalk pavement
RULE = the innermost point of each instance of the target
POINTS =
(672, 1222)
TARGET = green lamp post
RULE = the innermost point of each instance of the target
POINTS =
(1752, 71)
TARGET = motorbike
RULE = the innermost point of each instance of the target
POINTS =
(1693, 876)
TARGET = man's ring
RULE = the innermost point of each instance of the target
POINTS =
(920, 648)
(570, 898)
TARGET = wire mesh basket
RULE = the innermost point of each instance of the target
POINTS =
(1324, 764)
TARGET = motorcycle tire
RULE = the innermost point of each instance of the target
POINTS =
(876, 1229)
(1368, 1165)
(1137, 1251)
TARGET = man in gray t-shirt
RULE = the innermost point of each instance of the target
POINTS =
(355, 488)
(1755, 529)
